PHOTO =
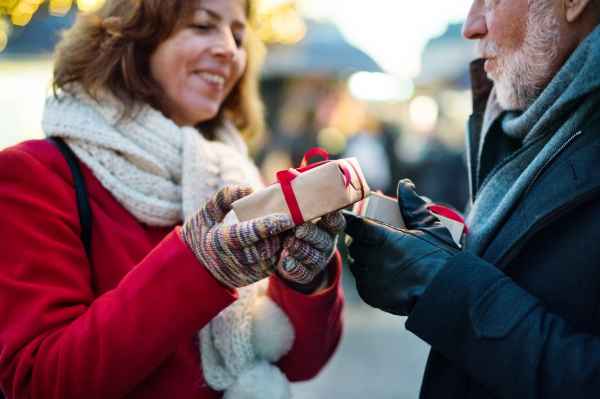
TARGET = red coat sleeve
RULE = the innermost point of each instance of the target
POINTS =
(317, 321)
(57, 339)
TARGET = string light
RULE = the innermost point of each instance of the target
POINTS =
(279, 24)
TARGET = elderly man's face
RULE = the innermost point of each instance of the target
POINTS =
(520, 41)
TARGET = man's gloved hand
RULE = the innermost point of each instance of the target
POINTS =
(240, 254)
(393, 267)
(310, 247)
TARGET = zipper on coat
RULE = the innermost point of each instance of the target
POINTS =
(509, 254)
(549, 161)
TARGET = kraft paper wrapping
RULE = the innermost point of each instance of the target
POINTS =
(385, 209)
(318, 191)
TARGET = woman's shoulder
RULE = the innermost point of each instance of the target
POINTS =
(32, 160)
(36, 148)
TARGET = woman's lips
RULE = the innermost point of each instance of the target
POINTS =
(214, 80)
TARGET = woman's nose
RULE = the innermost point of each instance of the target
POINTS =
(475, 26)
(225, 46)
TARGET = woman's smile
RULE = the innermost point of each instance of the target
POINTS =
(198, 66)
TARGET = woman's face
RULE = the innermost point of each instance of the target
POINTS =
(199, 65)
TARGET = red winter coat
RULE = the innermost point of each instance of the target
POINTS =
(122, 323)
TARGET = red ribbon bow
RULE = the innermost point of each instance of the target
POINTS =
(285, 177)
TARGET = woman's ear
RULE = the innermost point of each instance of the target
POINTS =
(574, 8)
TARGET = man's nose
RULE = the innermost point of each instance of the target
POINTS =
(475, 26)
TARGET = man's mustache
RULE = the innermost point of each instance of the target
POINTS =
(487, 49)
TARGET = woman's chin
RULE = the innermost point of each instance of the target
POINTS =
(206, 112)
(195, 117)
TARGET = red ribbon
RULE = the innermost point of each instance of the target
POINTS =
(450, 214)
(362, 188)
(285, 177)
(440, 210)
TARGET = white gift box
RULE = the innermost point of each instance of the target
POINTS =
(385, 209)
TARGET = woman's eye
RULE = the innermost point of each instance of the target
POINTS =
(239, 41)
(201, 27)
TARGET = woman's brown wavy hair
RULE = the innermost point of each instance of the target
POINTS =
(110, 48)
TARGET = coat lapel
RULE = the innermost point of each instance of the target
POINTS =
(572, 178)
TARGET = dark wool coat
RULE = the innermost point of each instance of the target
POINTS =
(123, 322)
(523, 321)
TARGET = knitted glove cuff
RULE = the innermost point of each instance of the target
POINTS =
(314, 285)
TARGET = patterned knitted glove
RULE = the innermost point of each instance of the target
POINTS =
(240, 254)
(311, 246)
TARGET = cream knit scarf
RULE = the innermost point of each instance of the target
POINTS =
(164, 174)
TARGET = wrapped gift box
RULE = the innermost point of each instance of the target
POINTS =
(385, 209)
(309, 192)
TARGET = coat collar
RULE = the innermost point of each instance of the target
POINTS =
(481, 86)
(481, 89)
(572, 178)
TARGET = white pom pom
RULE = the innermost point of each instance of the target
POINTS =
(262, 286)
(263, 381)
(272, 332)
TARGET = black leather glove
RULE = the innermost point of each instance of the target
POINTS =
(393, 267)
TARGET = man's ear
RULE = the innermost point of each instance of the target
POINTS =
(574, 8)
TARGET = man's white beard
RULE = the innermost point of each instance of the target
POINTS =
(520, 77)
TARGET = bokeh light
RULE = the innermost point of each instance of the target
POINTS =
(22, 13)
(8, 4)
(281, 24)
(59, 8)
(331, 140)
(423, 112)
(456, 104)
(275, 161)
(375, 86)
(3, 40)
(89, 5)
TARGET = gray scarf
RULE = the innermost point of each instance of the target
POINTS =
(569, 103)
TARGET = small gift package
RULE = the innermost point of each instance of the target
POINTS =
(386, 210)
(308, 192)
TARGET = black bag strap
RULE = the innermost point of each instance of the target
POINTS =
(83, 199)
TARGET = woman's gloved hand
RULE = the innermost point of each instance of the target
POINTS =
(240, 254)
(393, 267)
(310, 247)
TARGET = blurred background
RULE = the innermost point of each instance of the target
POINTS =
(386, 81)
